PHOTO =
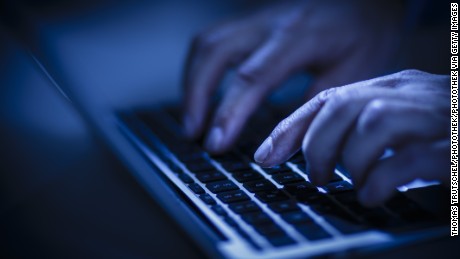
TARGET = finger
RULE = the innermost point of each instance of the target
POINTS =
(286, 138)
(427, 161)
(328, 131)
(256, 77)
(208, 58)
(385, 123)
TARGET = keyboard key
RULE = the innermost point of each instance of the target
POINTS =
(190, 157)
(297, 158)
(281, 241)
(277, 169)
(219, 210)
(269, 230)
(236, 166)
(256, 218)
(337, 187)
(313, 198)
(260, 185)
(231, 222)
(301, 188)
(335, 178)
(196, 188)
(331, 208)
(284, 206)
(207, 199)
(185, 178)
(212, 176)
(407, 209)
(247, 176)
(296, 217)
(345, 226)
(271, 196)
(233, 196)
(222, 186)
(225, 157)
(311, 231)
(288, 178)
(202, 166)
(244, 207)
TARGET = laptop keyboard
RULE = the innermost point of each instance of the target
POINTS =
(269, 207)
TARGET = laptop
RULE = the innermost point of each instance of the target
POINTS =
(231, 207)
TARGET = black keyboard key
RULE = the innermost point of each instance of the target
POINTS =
(196, 188)
(407, 209)
(284, 206)
(173, 166)
(337, 187)
(281, 241)
(344, 225)
(296, 217)
(211, 176)
(244, 207)
(207, 199)
(260, 185)
(311, 231)
(270, 230)
(219, 210)
(313, 198)
(288, 178)
(222, 186)
(301, 188)
(202, 166)
(246, 176)
(331, 208)
(277, 169)
(297, 158)
(227, 157)
(378, 217)
(271, 196)
(233, 196)
(190, 157)
(185, 178)
(236, 166)
(335, 178)
(231, 222)
(257, 218)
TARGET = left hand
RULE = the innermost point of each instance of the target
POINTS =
(408, 112)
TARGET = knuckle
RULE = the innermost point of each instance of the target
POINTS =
(337, 105)
(373, 114)
(410, 73)
(326, 94)
(249, 75)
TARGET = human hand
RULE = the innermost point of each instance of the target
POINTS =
(408, 112)
(338, 41)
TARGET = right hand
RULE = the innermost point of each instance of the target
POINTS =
(338, 41)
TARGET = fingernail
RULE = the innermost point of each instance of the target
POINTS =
(214, 140)
(189, 126)
(264, 150)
